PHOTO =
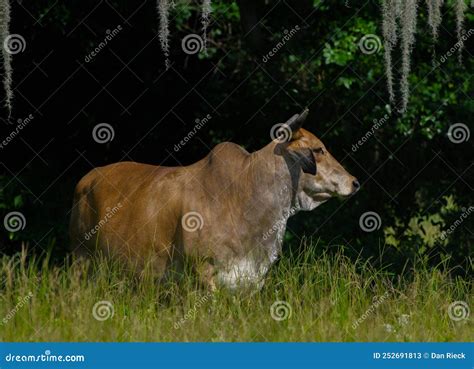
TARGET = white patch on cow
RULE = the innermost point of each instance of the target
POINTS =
(275, 253)
(243, 273)
(249, 271)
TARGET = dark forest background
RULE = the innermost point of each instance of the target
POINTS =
(412, 175)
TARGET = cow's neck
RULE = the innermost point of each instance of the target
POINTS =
(277, 178)
(268, 200)
(276, 195)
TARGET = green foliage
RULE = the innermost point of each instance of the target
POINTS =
(12, 198)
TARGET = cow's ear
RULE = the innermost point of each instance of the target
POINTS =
(305, 158)
(297, 121)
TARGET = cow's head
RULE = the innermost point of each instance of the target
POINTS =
(318, 175)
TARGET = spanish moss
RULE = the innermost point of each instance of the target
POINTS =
(460, 9)
(399, 21)
(407, 34)
(434, 16)
(389, 29)
(6, 55)
(163, 7)
(205, 19)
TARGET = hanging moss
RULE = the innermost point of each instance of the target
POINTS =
(205, 19)
(407, 35)
(399, 18)
(389, 29)
(434, 16)
(163, 7)
(460, 9)
(399, 22)
(6, 55)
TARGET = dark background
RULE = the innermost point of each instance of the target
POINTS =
(412, 175)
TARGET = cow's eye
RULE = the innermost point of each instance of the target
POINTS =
(319, 150)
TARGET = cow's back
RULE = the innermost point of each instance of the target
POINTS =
(111, 205)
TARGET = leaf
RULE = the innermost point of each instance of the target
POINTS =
(18, 201)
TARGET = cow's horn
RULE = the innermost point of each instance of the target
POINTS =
(297, 120)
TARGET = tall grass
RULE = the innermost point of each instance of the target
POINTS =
(330, 298)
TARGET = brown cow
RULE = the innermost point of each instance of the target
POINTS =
(228, 210)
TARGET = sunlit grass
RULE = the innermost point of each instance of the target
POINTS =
(327, 296)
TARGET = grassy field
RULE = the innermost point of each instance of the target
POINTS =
(306, 298)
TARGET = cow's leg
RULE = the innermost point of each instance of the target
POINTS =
(206, 272)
